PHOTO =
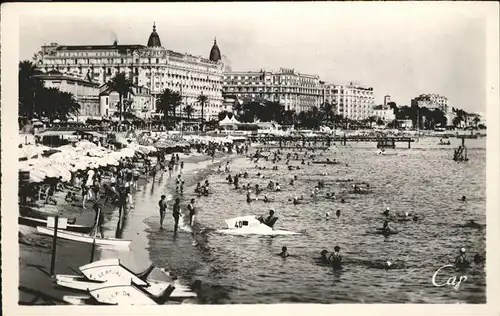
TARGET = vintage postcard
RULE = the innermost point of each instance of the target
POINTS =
(319, 157)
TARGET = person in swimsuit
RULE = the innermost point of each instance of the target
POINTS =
(192, 212)
(461, 261)
(284, 252)
(176, 213)
(335, 259)
(163, 208)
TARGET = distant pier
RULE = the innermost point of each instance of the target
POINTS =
(325, 140)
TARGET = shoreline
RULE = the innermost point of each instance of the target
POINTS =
(36, 287)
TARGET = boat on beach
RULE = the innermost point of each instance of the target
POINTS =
(34, 222)
(111, 271)
(250, 225)
(128, 295)
(86, 238)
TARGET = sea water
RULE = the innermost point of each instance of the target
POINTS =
(423, 180)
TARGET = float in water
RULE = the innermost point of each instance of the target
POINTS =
(250, 225)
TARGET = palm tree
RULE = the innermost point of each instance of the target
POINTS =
(123, 85)
(28, 87)
(168, 101)
(202, 99)
(55, 104)
(328, 111)
(188, 109)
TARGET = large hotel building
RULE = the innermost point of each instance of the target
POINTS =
(352, 101)
(152, 66)
(295, 91)
(299, 92)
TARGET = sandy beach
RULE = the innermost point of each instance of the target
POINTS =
(36, 287)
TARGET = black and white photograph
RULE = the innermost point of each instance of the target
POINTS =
(251, 153)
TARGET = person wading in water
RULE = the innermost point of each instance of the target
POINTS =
(163, 208)
(176, 213)
(192, 212)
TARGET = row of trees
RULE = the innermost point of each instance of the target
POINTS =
(170, 100)
(273, 111)
(35, 100)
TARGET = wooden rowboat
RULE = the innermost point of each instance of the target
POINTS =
(34, 222)
(85, 238)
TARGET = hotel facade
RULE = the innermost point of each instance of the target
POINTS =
(294, 90)
(151, 66)
(352, 101)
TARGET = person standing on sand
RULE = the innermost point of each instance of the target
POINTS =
(176, 213)
(163, 208)
(98, 220)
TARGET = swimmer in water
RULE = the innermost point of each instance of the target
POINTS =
(249, 199)
(478, 259)
(295, 201)
(327, 215)
(337, 213)
(386, 212)
(342, 201)
(463, 198)
(461, 261)
(266, 200)
(335, 259)
(386, 229)
(284, 252)
(323, 256)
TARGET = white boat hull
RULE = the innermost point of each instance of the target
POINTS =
(110, 270)
(121, 295)
(255, 232)
(84, 237)
(154, 287)
(250, 225)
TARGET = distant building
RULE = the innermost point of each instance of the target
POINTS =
(387, 100)
(383, 113)
(294, 90)
(151, 66)
(86, 93)
(352, 101)
(405, 124)
(434, 101)
(138, 103)
(431, 101)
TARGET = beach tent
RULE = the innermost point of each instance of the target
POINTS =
(234, 120)
(227, 121)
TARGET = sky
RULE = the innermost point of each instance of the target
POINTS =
(401, 50)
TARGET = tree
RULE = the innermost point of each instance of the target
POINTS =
(188, 109)
(54, 104)
(29, 86)
(476, 121)
(202, 99)
(327, 111)
(167, 102)
(123, 85)
(223, 114)
(289, 117)
(270, 111)
(371, 120)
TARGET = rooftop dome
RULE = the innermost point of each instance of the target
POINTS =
(215, 52)
(154, 39)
